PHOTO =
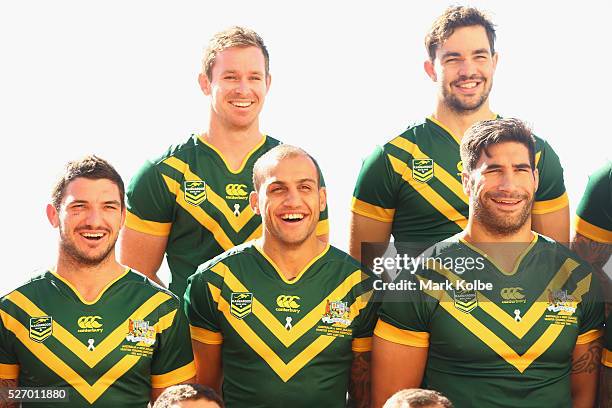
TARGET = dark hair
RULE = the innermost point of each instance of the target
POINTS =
(232, 37)
(453, 18)
(89, 167)
(417, 398)
(276, 154)
(483, 134)
(186, 392)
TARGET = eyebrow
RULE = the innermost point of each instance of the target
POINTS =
(115, 202)
(515, 166)
(233, 71)
(304, 180)
(458, 54)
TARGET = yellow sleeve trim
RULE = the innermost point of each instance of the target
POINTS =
(548, 206)
(606, 358)
(205, 336)
(591, 231)
(9, 371)
(372, 211)
(589, 336)
(177, 376)
(362, 345)
(322, 228)
(406, 337)
(160, 229)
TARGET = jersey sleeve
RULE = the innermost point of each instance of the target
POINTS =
(367, 303)
(201, 300)
(9, 366)
(551, 195)
(376, 188)
(594, 215)
(404, 315)
(592, 315)
(173, 359)
(150, 204)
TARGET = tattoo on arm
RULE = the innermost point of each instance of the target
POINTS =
(597, 254)
(588, 362)
(359, 386)
(4, 402)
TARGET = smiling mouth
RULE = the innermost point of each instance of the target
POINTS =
(506, 201)
(244, 104)
(292, 218)
(92, 236)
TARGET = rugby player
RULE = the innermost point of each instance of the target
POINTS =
(534, 339)
(285, 320)
(191, 203)
(106, 334)
(411, 187)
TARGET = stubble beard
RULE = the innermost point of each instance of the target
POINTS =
(501, 225)
(68, 247)
(461, 108)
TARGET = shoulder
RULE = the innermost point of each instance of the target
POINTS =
(342, 263)
(144, 287)
(236, 255)
(38, 281)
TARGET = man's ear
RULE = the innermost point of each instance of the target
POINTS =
(322, 199)
(466, 182)
(204, 83)
(254, 202)
(536, 176)
(430, 70)
(52, 215)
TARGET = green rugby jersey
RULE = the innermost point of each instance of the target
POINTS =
(594, 215)
(284, 343)
(414, 181)
(505, 347)
(190, 195)
(110, 351)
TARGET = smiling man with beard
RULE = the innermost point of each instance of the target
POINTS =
(411, 187)
(285, 320)
(106, 334)
(531, 341)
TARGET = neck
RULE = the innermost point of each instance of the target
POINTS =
(459, 123)
(291, 260)
(88, 280)
(505, 250)
(233, 143)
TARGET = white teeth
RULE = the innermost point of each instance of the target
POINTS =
(292, 216)
(468, 85)
(91, 235)
(242, 104)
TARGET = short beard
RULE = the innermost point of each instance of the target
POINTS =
(501, 226)
(461, 108)
(68, 247)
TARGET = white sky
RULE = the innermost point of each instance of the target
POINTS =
(118, 78)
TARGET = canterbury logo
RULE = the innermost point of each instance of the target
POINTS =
(89, 322)
(512, 294)
(289, 302)
(238, 190)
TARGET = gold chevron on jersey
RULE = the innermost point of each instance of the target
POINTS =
(437, 171)
(428, 193)
(533, 314)
(498, 345)
(288, 337)
(90, 357)
(236, 222)
(284, 370)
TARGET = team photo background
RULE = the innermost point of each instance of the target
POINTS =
(119, 79)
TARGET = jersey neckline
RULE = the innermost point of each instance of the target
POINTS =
(299, 275)
(447, 130)
(76, 292)
(497, 266)
(244, 161)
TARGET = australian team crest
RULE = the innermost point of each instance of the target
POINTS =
(195, 192)
(465, 300)
(337, 312)
(41, 328)
(241, 304)
(422, 169)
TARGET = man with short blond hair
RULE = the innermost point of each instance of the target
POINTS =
(191, 203)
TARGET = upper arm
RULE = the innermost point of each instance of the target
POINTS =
(553, 224)
(360, 384)
(394, 367)
(5, 385)
(208, 361)
(141, 251)
(585, 373)
(364, 229)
